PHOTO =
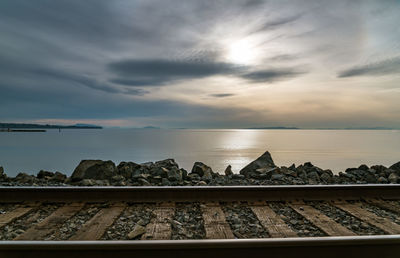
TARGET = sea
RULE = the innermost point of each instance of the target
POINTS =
(62, 151)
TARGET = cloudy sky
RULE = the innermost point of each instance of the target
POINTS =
(201, 64)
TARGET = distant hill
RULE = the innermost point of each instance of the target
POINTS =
(47, 126)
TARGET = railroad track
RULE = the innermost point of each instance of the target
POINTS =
(256, 221)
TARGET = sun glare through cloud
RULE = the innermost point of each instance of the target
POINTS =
(241, 52)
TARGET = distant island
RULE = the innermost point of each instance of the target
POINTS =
(47, 126)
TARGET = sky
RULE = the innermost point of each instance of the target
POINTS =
(201, 64)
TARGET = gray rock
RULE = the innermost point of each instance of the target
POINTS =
(228, 171)
(3, 176)
(363, 167)
(127, 169)
(277, 177)
(382, 180)
(117, 178)
(94, 169)
(393, 178)
(288, 172)
(396, 166)
(201, 169)
(138, 230)
(165, 182)
(44, 174)
(144, 182)
(238, 176)
(24, 178)
(158, 171)
(174, 174)
(58, 177)
(87, 182)
(325, 177)
(313, 175)
(167, 163)
(264, 161)
(193, 177)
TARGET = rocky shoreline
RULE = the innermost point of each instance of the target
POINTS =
(262, 171)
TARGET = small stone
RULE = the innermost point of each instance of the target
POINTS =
(393, 178)
(364, 225)
(228, 171)
(238, 176)
(144, 182)
(141, 222)
(87, 182)
(202, 183)
(277, 177)
(165, 182)
(137, 231)
(382, 180)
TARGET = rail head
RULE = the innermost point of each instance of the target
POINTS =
(199, 193)
(360, 246)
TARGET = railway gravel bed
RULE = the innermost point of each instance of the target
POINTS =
(188, 222)
(381, 212)
(298, 223)
(20, 225)
(72, 225)
(131, 224)
(243, 221)
(352, 223)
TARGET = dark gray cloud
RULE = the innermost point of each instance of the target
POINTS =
(385, 67)
(271, 75)
(222, 95)
(157, 72)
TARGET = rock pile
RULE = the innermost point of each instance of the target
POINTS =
(262, 171)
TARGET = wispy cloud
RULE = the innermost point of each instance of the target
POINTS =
(271, 75)
(157, 72)
(222, 95)
(385, 67)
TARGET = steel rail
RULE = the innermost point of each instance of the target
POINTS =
(199, 193)
(361, 246)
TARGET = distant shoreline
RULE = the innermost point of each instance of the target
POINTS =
(32, 127)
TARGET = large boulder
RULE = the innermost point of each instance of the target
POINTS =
(167, 163)
(24, 178)
(94, 169)
(174, 174)
(393, 178)
(395, 167)
(202, 169)
(127, 169)
(264, 161)
(44, 174)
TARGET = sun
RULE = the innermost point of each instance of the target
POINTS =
(241, 52)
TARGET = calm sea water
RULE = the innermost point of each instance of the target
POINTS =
(334, 149)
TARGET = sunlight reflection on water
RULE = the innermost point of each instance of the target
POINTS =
(334, 149)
